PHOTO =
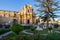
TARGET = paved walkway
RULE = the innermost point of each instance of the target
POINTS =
(57, 31)
(1, 36)
(27, 32)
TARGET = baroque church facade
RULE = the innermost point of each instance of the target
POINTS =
(23, 16)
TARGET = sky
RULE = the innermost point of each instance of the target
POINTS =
(16, 5)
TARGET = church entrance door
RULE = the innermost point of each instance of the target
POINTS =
(28, 22)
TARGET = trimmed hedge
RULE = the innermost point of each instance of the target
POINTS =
(17, 28)
(2, 31)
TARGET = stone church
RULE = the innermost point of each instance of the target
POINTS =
(23, 16)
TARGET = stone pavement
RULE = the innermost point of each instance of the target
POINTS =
(5, 34)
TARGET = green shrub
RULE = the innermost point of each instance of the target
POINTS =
(56, 25)
(32, 28)
(17, 28)
(2, 31)
(53, 36)
(11, 36)
(50, 28)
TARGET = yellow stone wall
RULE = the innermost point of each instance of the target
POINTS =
(25, 14)
(22, 16)
(54, 22)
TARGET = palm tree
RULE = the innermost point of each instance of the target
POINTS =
(47, 7)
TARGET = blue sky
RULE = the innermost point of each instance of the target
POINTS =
(16, 5)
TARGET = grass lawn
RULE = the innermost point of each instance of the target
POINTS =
(54, 36)
(58, 30)
(2, 31)
(13, 36)
(40, 31)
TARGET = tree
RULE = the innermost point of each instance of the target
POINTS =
(44, 18)
(50, 29)
(47, 7)
(56, 26)
(32, 28)
(17, 28)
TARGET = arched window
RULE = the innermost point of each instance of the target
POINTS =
(14, 21)
(14, 15)
(28, 10)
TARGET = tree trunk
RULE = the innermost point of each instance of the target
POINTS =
(53, 25)
(18, 37)
(47, 20)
